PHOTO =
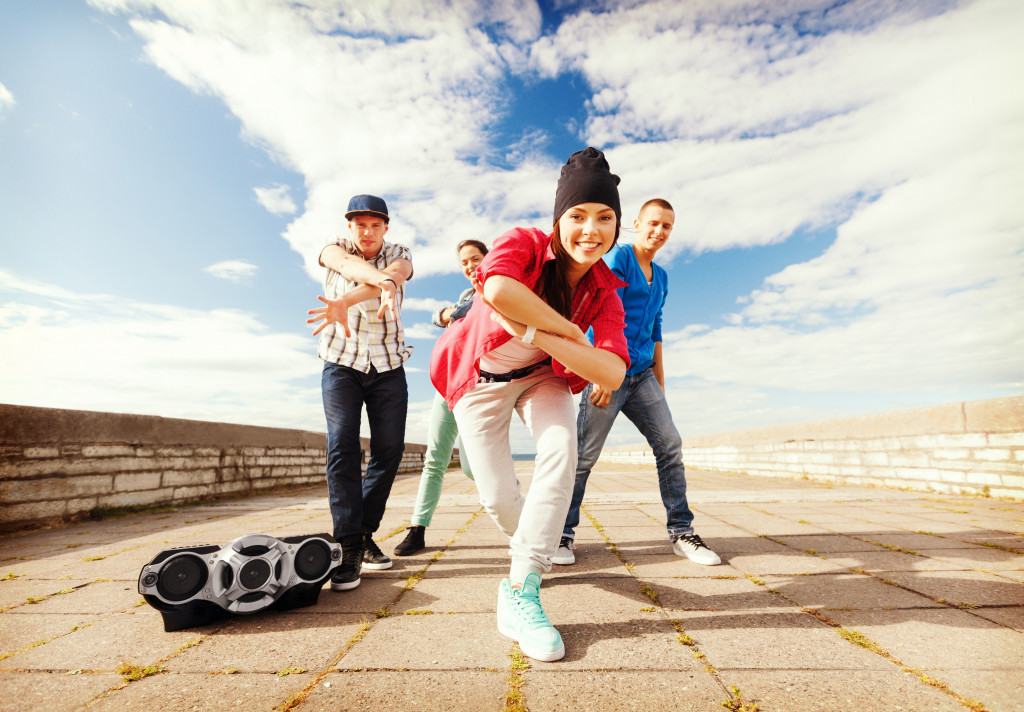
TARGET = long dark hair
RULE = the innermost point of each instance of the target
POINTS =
(553, 284)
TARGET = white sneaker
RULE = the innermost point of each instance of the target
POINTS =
(564, 555)
(693, 548)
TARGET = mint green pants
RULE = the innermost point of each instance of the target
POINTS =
(441, 435)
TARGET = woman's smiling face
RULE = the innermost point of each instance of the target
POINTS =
(587, 232)
(470, 258)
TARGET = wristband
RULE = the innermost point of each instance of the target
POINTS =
(388, 279)
(531, 331)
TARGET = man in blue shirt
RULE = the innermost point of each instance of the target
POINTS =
(641, 397)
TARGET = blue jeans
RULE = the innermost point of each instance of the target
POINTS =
(357, 503)
(642, 400)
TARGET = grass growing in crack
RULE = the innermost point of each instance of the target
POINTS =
(382, 613)
(290, 671)
(396, 530)
(859, 639)
(130, 672)
(4, 656)
(964, 605)
(514, 701)
(736, 703)
(649, 592)
(681, 635)
(11, 576)
(225, 671)
(190, 644)
(414, 612)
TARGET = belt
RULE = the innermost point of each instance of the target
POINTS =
(486, 377)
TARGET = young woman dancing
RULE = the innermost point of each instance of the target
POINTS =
(524, 350)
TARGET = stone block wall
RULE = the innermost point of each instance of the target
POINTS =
(56, 464)
(973, 447)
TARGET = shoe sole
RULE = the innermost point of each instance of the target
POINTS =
(409, 552)
(563, 562)
(702, 563)
(344, 586)
(549, 657)
(378, 567)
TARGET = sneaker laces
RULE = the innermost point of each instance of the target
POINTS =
(565, 542)
(351, 555)
(527, 604)
(371, 546)
(693, 539)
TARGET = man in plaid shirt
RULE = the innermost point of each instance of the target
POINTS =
(363, 347)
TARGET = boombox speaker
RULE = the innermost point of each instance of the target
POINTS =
(196, 585)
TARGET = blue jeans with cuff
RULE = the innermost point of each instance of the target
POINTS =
(357, 503)
(641, 399)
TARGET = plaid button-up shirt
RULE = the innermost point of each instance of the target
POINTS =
(375, 342)
(521, 254)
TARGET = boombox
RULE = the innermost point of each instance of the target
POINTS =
(196, 585)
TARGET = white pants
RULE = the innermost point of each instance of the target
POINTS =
(545, 406)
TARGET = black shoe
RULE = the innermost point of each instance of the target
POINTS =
(373, 557)
(346, 576)
(412, 543)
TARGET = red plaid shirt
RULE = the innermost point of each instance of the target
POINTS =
(521, 253)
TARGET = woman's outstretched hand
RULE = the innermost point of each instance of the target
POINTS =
(335, 311)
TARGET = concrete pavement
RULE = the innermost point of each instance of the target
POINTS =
(829, 598)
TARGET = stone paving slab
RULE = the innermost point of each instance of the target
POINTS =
(828, 598)
(372, 691)
(633, 691)
(850, 691)
(202, 691)
(849, 590)
(50, 692)
(304, 640)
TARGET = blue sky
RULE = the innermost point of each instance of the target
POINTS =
(846, 176)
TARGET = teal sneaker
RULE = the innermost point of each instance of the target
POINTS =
(521, 618)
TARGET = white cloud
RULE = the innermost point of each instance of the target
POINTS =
(426, 304)
(393, 99)
(232, 270)
(156, 359)
(276, 199)
(6, 99)
(422, 330)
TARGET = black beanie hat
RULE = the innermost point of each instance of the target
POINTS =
(586, 178)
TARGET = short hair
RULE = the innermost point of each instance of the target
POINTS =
(660, 202)
(472, 243)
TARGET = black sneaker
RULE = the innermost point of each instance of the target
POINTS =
(373, 557)
(412, 543)
(693, 548)
(564, 555)
(346, 576)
